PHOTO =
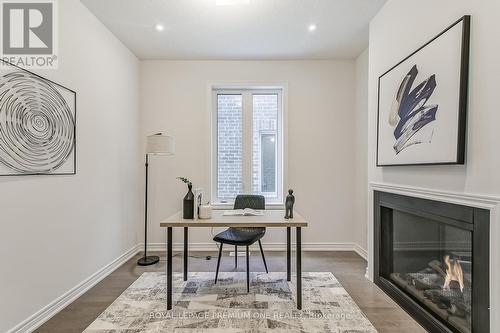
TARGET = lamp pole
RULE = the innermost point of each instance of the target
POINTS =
(145, 260)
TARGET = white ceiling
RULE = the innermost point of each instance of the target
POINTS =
(261, 29)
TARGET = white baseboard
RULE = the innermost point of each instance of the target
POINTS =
(211, 246)
(363, 253)
(50, 310)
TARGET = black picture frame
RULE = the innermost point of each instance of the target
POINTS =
(74, 127)
(463, 96)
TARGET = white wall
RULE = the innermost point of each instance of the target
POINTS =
(394, 33)
(361, 151)
(57, 231)
(175, 100)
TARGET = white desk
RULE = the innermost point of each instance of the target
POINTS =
(270, 219)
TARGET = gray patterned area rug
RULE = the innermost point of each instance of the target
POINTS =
(201, 306)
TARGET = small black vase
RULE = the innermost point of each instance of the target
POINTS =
(188, 204)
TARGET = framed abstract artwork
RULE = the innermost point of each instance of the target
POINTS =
(37, 124)
(422, 103)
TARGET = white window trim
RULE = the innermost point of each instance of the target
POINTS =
(212, 90)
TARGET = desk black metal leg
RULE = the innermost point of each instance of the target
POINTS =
(299, 269)
(248, 271)
(236, 256)
(288, 254)
(169, 268)
(185, 253)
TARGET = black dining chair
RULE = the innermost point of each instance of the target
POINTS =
(243, 236)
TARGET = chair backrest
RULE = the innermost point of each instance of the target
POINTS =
(252, 201)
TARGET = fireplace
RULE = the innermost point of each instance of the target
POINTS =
(433, 259)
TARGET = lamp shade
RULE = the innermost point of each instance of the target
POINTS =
(159, 144)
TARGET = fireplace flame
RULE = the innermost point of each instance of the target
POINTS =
(453, 273)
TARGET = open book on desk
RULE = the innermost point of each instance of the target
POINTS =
(243, 212)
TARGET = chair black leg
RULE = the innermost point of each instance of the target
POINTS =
(236, 256)
(218, 263)
(248, 272)
(263, 257)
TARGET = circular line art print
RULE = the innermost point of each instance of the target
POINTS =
(37, 125)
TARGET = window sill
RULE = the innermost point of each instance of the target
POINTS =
(230, 205)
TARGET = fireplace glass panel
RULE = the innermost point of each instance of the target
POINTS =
(431, 261)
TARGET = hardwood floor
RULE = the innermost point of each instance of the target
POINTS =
(348, 267)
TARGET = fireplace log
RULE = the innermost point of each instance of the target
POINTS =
(455, 302)
(438, 267)
(424, 280)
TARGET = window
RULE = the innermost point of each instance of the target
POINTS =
(247, 144)
(266, 181)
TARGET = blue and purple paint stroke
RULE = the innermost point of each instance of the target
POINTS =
(409, 112)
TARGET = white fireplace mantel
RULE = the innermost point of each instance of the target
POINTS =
(488, 202)
(466, 199)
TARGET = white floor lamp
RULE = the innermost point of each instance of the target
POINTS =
(157, 144)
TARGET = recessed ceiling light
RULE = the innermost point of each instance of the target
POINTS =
(159, 27)
(231, 2)
(311, 27)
